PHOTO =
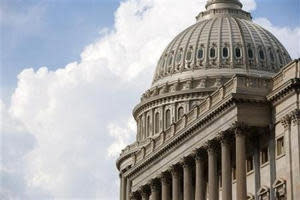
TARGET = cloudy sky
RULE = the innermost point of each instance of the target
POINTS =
(71, 72)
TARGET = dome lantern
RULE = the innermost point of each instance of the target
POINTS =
(216, 4)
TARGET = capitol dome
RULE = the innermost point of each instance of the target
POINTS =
(224, 41)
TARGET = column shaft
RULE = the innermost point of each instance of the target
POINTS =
(128, 190)
(124, 187)
(187, 182)
(241, 184)
(213, 189)
(155, 190)
(175, 183)
(226, 170)
(200, 178)
(165, 189)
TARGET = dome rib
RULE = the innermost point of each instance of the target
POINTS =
(208, 42)
(220, 42)
(204, 23)
(252, 39)
(176, 51)
(188, 44)
(231, 42)
(242, 41)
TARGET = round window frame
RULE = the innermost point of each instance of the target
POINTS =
(241, 52)
(225, 57)
(203, 53)
(215, 49)
(259, 55)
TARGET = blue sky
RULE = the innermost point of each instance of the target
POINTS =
(63, 125)
(56, 31)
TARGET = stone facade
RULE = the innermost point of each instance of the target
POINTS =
(237, 139)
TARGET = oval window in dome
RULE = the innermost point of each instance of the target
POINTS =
(280, 58)
(238, 52)
(178, 57)
(272, 56)
(212, 52)
(261, 54)
(200, 53)
(250, 53)
(225, 52)
(170, 59)
(189, 55)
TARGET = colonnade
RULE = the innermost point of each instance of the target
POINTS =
(196, 176)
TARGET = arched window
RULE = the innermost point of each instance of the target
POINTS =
(168, 118)
(189, 55)
(178, 57)
(261, 54)
(250, 53)
(225, 52)
(170, 59)
(180, 113)
(212, 52)
(157, 122)
(200, 53)
(238, 52)
(148, 126)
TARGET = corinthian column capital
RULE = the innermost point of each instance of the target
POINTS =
(295, 117)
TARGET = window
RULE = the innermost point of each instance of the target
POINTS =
(157, 122)
(189, 55)
(225, 52)
(178, 57)
(272, 56)
(180, 113)
(212, 52)
(249, 163)
(238, 52)
(280, 58)
(200, 53)
(280, 146)
(170, 59)
(148, 126)
(250, 53)
(168, 118)
(261, 54)
(264, 155)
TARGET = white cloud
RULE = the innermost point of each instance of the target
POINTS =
(74, 120)
(122, 136)
(290, 37)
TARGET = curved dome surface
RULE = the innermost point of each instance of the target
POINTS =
(223, 42)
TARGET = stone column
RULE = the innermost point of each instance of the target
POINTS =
(154, 185)
(165, 186)
(226, 168)
(121, 187)
(175, 171)
(213, 189)
(124, 187)
(241, 184)
(128, 190)
(200, 176)
(187, 179)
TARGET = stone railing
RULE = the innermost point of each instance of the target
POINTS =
(291, 71)
(239, 83)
